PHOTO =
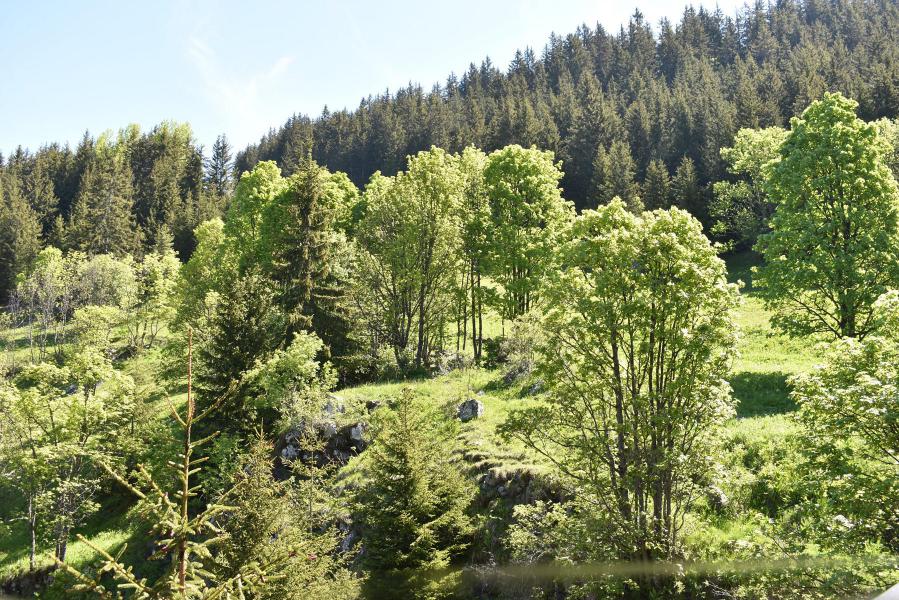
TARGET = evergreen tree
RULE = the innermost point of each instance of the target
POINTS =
(40, 192)
(20, 231)
(657, 186)
(102, 221)
(219, 168)
(413, 506)
(613, 176)
(300, 232)
(685, 188)
(246, 327)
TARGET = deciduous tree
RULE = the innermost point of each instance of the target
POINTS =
(833, 248)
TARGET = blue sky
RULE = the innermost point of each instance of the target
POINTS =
(243, 67)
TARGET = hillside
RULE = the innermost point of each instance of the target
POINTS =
(669, 91)
(757, 444)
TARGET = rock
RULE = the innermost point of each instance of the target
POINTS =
(470, 409)
(334, 405)
(357, 431)
(480, 393)
(717, 499)
(326, 429)
(535, 388)
(290, 452)
(334, 444)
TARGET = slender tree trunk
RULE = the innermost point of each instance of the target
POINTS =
(32, 526)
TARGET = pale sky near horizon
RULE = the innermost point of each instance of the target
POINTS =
(242, 68)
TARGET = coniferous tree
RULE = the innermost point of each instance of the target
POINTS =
(300, 229)
(41, 194)
(657, 186)
(413, 506)
(102, 221)
(685, 188)
(613, 176)
(245, 328)
(20, 231)
(219, 167)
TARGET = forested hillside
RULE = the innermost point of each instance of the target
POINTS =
(641, 111)
(669, 92)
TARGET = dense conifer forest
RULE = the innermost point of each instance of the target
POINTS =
(617, 321)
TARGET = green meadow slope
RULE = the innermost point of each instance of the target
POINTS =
(756, 441)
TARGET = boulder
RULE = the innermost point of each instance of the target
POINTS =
(335, 444)
(470, 409)
(536, 387)
(357, 431)
(335, 405)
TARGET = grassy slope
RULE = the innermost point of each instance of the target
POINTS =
(759, 376)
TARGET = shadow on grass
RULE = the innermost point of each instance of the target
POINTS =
(760, 394)
(739, 267)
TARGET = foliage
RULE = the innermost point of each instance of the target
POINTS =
(614, 176)
(413, 506)
(527, 216)
(409, 241)
(638, 339)
(187, 538)
(245, 328)
(848, 407)
(58, 423)
(281, 525)
(834, 240)
(742, 209)
(293, 382)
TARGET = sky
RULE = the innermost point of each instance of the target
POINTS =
(241, 68)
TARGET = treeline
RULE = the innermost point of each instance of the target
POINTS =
(654, 102)
(124, 193)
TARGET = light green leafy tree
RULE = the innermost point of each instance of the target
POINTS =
(851, 435)
(410, 240)
(833, 248)
(475, 247)
(637, 342)
(151, 305)
(527, 215)
(66, 419)
(741, 209)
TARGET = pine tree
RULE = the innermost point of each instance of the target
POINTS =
(20, 231)
(102, 221)
(246, 327)
(657, 186)
(685, 188)
(298, 225)
(413, 508)
(41, 195)
(613, 176)
(597, 124)
(219, 167)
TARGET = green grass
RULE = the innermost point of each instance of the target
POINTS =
(766, 358)
(109, 528)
